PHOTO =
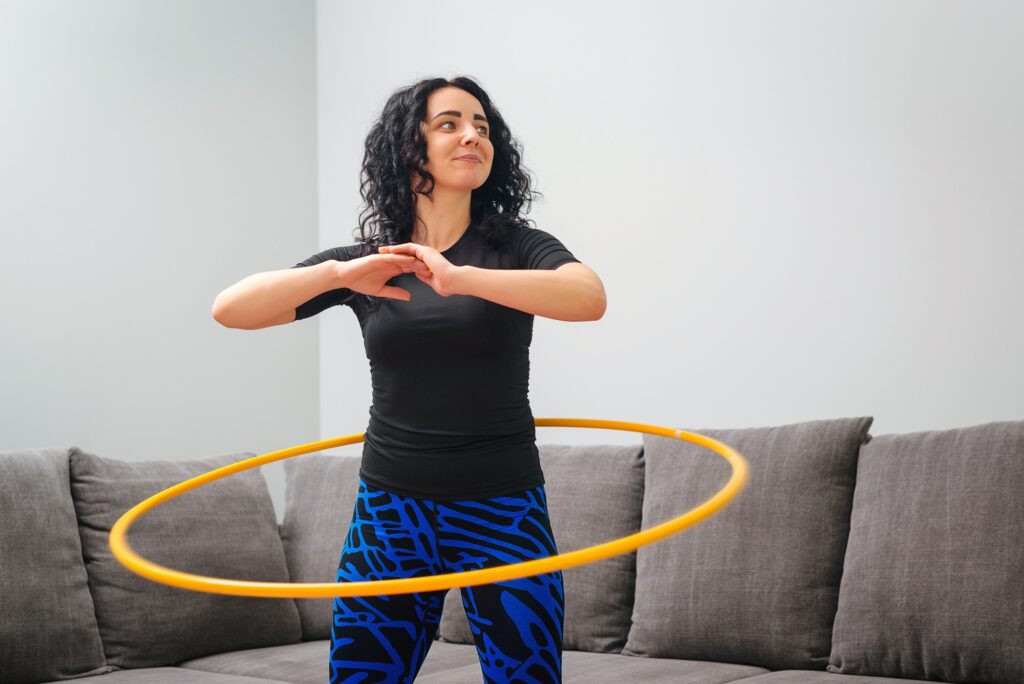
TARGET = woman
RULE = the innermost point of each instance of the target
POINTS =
(445, 281)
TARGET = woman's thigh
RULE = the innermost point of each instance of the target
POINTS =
(517, 625)
(385, 638)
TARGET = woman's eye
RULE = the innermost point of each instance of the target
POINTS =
(482, 129)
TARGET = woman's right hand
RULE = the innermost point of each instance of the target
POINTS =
(369, 274)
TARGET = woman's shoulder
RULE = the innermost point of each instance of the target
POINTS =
(340, 253)
(535, 248)
(530, 237)
(524, 231)
(519, 236)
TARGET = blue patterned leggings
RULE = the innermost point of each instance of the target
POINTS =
(517, 625)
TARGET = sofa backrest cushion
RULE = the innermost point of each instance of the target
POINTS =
(594, 495)
(47, 624)
(933, 584)
(758, 582)
(320, 497)
(226, 528)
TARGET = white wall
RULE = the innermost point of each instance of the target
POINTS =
(800, 210)
(151, 154)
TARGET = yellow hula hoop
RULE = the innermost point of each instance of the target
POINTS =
(158, 573)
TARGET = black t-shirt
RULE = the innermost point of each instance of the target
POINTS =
(450, 417)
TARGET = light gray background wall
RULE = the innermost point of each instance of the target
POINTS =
(151, 154)
(800, 210)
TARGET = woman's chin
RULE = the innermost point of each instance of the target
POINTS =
(461, 184)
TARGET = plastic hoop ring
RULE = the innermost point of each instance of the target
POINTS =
(215, 585)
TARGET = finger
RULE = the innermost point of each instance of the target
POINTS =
(402, 260)
(392, 292)
(415, 266)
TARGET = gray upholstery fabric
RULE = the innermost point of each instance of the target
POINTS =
(173, 675)
(320, 497)
(594, 495)
(227, 529)
(809, 677)
(47, 624)
(758, 582)
(603, 668)
(302, 662)
(307, 663)
(444, 657)
(933, 586)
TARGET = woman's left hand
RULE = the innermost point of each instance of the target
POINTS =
(442, 273)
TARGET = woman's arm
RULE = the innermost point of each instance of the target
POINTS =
(571, 292)
(269, 298)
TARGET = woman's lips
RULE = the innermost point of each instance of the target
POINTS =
(472, 160)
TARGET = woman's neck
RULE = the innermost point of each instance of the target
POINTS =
(446, 216)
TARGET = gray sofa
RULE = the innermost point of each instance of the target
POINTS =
(847, 559)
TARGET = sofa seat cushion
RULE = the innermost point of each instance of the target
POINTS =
(808, 677)
(580, 667)
(227, 528)
(171, 675)
(933, 584)
(47, 623)
(594, 495)
(302, 662)
(307, 663)
(320, 497)
(758, 582)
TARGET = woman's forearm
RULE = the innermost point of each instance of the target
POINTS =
(572, 292)
(263, 298)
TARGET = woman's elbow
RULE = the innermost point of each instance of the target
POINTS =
(595, 307)
(217, 311)
(598, 300)
(223, 314)
(600, 304)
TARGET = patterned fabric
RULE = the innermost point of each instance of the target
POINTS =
(517, 625)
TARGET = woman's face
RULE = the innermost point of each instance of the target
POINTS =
(459, 150)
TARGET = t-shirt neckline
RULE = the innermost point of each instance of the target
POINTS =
(458, 243)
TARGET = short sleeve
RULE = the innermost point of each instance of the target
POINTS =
(325, 300)
(541, 250)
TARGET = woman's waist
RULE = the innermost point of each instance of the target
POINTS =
(395, 434)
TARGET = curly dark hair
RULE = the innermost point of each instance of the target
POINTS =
(395, 147)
